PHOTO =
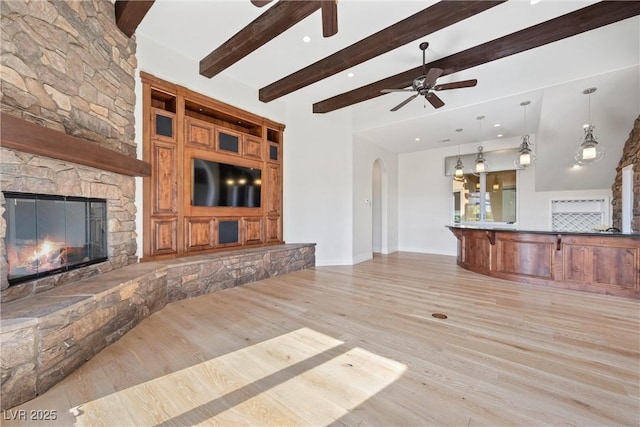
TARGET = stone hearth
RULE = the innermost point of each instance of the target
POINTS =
(48, 335)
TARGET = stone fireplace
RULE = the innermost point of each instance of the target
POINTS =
(68, 68)
(52, 234)
(27, 173)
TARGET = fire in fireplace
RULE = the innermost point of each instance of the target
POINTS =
(49, 234)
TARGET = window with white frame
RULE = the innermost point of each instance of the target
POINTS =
(489, 197)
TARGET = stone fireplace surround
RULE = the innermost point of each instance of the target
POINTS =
(28, 173)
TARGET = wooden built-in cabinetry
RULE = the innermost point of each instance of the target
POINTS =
(181, 125)
(595, 262)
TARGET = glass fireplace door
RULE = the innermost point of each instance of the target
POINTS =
(48, 234)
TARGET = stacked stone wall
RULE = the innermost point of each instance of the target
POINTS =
(66, 66)
(630, 156)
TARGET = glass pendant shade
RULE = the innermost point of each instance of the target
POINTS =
(526, 156)
(589, 151)
(481, 162)
(459, 170)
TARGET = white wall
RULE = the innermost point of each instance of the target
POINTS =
(535, 206)
(318, 165)
(364, 156)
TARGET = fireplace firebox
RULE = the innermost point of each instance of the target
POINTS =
(48, 234)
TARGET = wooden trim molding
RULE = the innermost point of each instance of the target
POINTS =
(22, 135)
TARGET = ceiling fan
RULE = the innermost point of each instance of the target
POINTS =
(329, 15)
(424, 85)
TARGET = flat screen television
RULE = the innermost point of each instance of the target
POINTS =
(221, 184)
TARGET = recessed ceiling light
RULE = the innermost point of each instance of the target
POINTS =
(500, 135)
(350, 75)
(497, 125)
(576, 167)
(445, 140)
(417, 139)
(534, 1)
(306, 39)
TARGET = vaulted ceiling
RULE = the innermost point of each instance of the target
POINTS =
(515, 49)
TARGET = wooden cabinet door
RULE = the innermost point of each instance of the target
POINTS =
(199, 234)
(164, 236)
(252, 231)
(274, 189)
(252, 148)
(165, 181)
(274, 229)
(199, 134)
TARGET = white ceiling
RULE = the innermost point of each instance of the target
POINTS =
(195, 28)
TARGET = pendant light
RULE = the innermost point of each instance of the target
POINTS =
(526, 156)
(481, 161)
(496, 184)
(459, 168)
(589, 151)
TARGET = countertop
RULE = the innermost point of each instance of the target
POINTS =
(517, 230)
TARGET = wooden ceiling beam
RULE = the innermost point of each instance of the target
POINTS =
(577, 22)
(425, 22)
(129, 14)
(329, 17)
(276, 20)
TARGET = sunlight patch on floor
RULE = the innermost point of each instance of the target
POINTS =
(302, 377)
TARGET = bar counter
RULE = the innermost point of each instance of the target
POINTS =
(601, 262)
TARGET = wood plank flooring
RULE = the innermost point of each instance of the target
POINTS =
(357, 345)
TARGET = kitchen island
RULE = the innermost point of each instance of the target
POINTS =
(601, 262)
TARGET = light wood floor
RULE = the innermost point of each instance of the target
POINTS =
(357, 345)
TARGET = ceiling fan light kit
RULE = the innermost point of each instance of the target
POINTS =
(589, 151)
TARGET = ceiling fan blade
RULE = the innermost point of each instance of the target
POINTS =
(329, 17)
(395, 90)
(431, 76)
(456, 85)
(434, 100)
(260, 3)
(405, 102)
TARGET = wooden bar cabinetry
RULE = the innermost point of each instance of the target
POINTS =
(595, 262)
(182, 127)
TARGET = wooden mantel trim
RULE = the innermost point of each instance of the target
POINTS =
(22, 135)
